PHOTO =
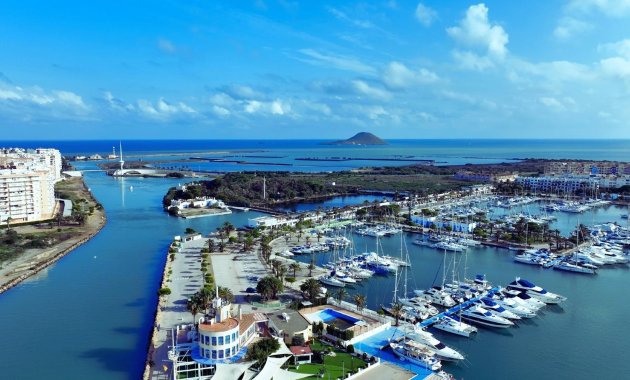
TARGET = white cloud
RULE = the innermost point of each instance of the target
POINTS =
(621, 48)
(58, 99)
(398, 76)
(336, 61)
(471, 61)
(558, 104)
(166, 46)
(475, 30)
(275, 107)
(365, 24)
(165, 110)
(618, 67)
(425, 15)
(569, 27)
(237, 91)
(363, 88)
(220, 111)
(611, 8)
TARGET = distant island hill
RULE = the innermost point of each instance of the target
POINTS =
(361, 138)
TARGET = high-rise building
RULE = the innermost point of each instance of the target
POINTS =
(27, 184)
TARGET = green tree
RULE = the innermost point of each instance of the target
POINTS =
(396, 311)
(359, 300)
(269, 287)
(294, 266)
(311, 289)
(261, 350)
(341, 294)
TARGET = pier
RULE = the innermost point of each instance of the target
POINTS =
(455, 309)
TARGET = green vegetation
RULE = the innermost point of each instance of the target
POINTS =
(13, 243)
(260, 350)
(327, 366)
(269, 287)
(164, 292)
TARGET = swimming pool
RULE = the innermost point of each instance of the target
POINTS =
(333, 317)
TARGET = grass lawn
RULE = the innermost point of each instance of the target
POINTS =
(333, 365)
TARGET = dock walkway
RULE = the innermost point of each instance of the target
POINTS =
(457, 308)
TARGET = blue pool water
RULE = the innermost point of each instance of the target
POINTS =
(328, 315)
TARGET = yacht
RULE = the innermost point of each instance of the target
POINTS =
(416, 353)
(524, 299)
(331, 281)
(437, 296)
(527, 259)
(344, 277)
(572, 267)
(454, 326)
(490, 305)
(510, 304)
(448, 246)
(481, 316)
(536, 291)
(442, 351)
(420, 304)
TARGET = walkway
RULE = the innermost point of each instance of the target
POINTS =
(186, 280)
(457, 308)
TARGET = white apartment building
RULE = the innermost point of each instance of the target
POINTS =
(563, 184)
(27, 184)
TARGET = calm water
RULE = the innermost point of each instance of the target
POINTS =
(89, 315)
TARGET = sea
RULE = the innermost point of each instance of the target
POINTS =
(90, 314)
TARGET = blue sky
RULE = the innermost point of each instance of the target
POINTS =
(314, 69)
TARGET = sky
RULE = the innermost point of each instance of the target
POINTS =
(283, 69)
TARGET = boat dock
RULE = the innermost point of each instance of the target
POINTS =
(455, 309)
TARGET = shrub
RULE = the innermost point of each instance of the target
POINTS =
(164, 292)
(290, 279)
(171, 256)
(350, 349)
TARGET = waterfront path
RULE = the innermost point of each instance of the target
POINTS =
(186, 279)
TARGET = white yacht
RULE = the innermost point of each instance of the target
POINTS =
(448, 246)
(490, 305)
(523, 299)
(437, 296)
(536, 291)
(331, 281)
(442, 351)
(343, 277)
(421, 304)
(515, 307)
(572, 267)
(454, 326)
(416, 353)
(481, 316)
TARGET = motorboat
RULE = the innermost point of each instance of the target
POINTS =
(573, 267)
(523, 298)
(526, 258)
(511, 305)
(448, 246)
(343, 277)
(416, 353)
(331, 281)
(491, 305)
(442, 351)
(454, 326)
(484, 317)
(421, 304)
(437, 296)
(536, 291)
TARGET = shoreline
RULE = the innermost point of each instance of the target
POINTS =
(161, 301)
(56, 256)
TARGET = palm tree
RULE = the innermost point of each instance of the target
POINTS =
(341, 294)
(205, 295)
(193, 305)
(396, 311)
(282, 271)
(294, 266)
(311, 266)
(228, 228)
(311, 288)
(226, 294)
(359, 300)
